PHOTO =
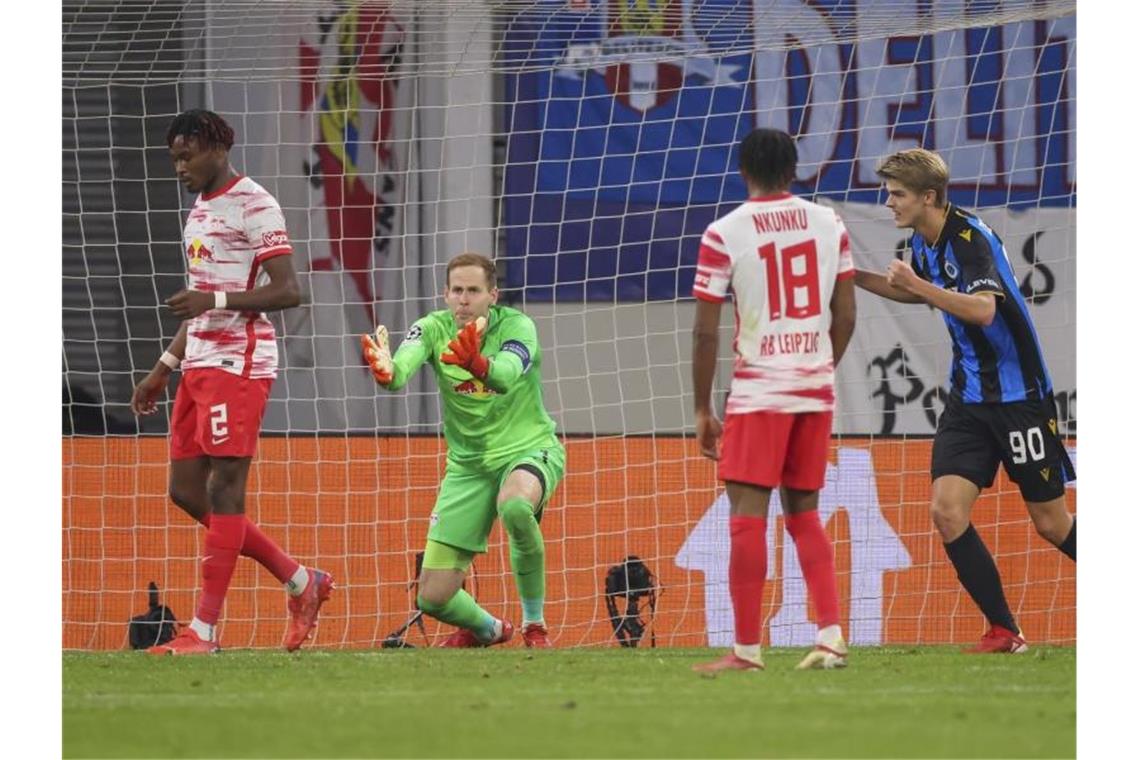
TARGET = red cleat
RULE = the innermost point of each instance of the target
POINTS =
(534, 636)
(465, 639)
(729, 662)
(186, 642)
(304, 607)
(998, 640)
(461, 639)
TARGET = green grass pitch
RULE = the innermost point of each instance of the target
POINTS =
(891, 702)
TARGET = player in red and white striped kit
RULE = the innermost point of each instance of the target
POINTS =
(788, 264)
(240, 265)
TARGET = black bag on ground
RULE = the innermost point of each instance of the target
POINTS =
(153, 627)
(632, 581)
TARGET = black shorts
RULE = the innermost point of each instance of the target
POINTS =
(1022, 435)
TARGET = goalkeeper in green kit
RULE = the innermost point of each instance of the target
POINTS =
(503, 457)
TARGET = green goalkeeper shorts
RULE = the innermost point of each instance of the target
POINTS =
(465, 509)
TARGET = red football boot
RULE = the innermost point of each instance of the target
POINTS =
(186, 642)
(464, 638)
(534, 636)
(998, 640)
(729, 662)
(304, 607)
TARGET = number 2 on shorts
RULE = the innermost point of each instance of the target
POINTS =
(218, 427)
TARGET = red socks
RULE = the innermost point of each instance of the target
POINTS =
(262, 549)
(224, 540)
(817, 560)
(747, 569)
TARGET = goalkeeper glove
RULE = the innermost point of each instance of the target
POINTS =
(465, 350)
(377, 355)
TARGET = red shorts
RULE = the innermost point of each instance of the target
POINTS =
(773, 449)
(217, 414)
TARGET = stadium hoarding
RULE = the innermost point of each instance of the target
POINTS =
(359, 506)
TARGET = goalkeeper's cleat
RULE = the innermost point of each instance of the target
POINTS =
(466, 639)
(729, 662)
(186, 642)
(824, 658)
(999, 640)
(461, 639)
(534, 636)
(378, 355)
(304, 607)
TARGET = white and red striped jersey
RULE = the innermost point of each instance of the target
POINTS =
(781, 255)
(228, 236)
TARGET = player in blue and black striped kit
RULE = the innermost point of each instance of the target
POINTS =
(1001, 406)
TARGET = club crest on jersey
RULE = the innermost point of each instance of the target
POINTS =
(648, 50)
(197, 251)
(951, 270)
(473, 387)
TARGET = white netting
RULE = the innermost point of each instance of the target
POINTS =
(585, 144)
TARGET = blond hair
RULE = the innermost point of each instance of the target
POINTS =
(474, 260)
(918, 170)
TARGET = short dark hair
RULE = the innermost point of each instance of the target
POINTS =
(768, 157)
(474, 260)
(211, 130)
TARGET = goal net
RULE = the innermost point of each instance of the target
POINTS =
(585, 145)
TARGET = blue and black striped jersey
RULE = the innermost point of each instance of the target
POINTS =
(999, 363)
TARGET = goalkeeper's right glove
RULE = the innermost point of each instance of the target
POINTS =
(377, 355)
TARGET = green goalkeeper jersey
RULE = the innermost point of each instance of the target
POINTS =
(486, 423)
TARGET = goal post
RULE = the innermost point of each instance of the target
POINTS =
(585, 145)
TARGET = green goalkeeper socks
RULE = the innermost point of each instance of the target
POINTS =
(462, 611)
(528, 556)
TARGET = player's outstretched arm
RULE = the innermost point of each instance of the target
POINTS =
(706, 343)
(393, 372)
(377, 355)
(975, 308)
(877, 283)
(282, 292)
(144, 399)
(842, 317)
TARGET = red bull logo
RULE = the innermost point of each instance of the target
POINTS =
(197, 252)
(473, 387)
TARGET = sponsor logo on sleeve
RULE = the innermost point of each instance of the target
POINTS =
(984, 283)
(415, 335)
(275, 239)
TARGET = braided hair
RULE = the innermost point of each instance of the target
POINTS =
(210, 129)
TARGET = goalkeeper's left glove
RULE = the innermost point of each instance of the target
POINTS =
(378, 355)
(465, 350)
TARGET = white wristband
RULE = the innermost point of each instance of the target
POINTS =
(170, 360)
(219, 299)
